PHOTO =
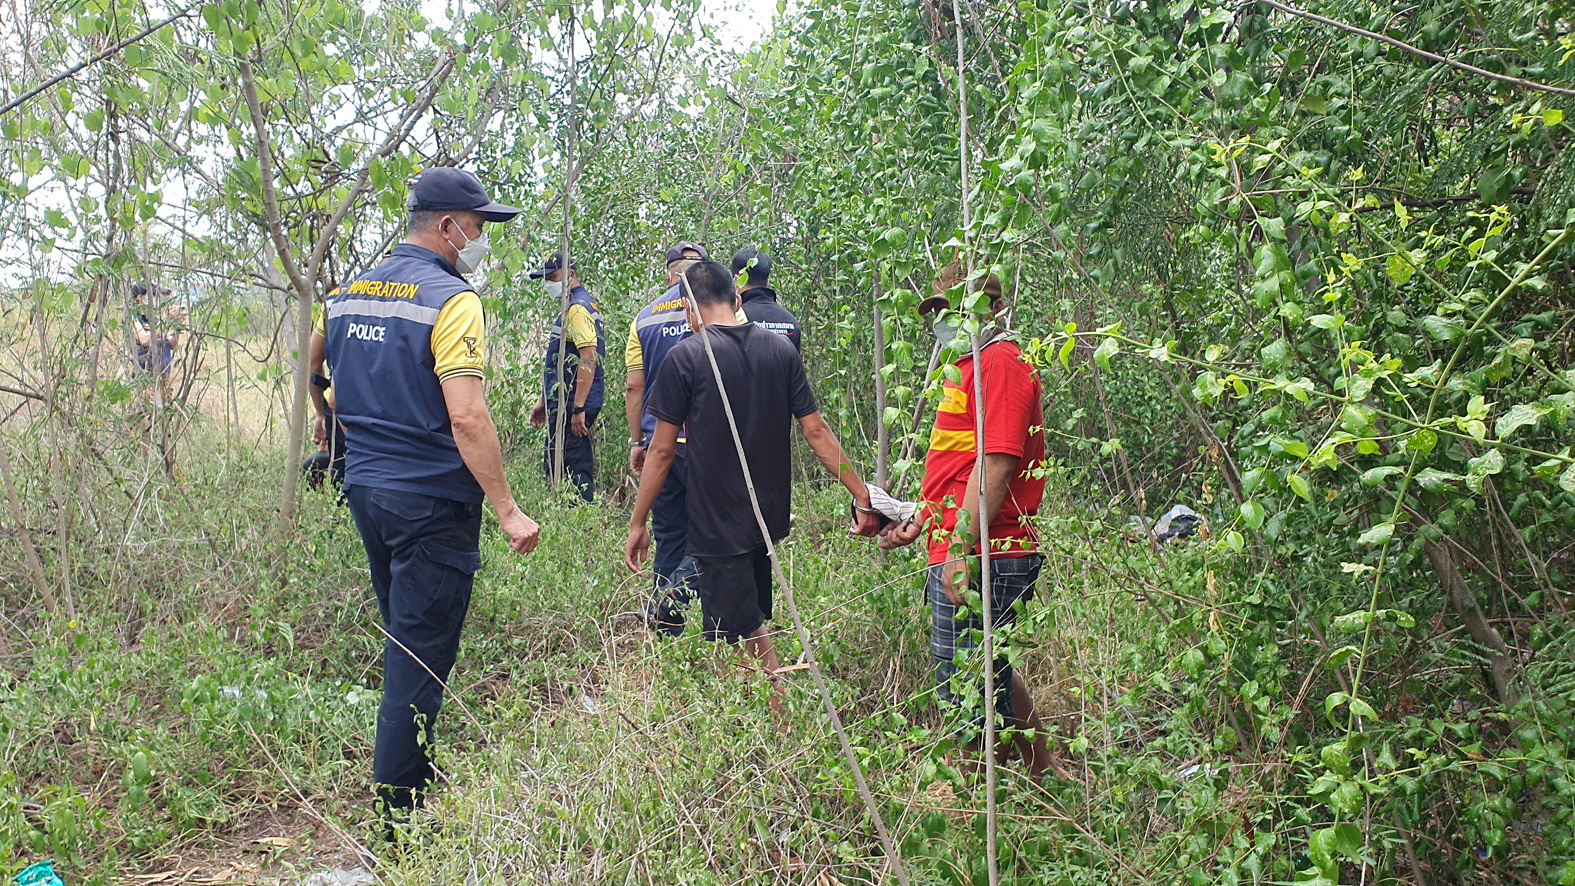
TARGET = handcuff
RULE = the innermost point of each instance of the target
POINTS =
(854, 511)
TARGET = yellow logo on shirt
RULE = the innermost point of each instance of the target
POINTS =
(384, 288)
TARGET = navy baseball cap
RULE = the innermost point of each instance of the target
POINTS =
(762, 267)
(679, 252)
(553, 264)
(445, 187)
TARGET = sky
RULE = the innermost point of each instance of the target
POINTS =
(731, 16)
(749, 19)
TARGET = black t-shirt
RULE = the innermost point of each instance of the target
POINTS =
(765, 385)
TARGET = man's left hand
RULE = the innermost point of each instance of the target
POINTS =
(954, 581)
(577, 425)
(866, 523)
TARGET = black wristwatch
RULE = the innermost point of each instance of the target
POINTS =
(576, 410)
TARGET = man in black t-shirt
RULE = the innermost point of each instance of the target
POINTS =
(765, 384)
(760, 300)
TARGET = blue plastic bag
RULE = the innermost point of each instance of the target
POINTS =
(39, 874)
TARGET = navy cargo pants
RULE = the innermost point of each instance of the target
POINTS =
(424, 553)
(579, 453)
(675, 569)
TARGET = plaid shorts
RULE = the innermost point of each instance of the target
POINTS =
(955, 634)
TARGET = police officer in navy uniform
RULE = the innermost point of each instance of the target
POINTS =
(581, 386)
(656, 329)
(406, 341)
(760, 300)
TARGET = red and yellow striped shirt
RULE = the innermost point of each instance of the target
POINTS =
(1013, 425)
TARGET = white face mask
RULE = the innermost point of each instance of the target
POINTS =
(473, 253)
(554, 289)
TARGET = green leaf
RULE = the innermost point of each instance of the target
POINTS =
(1552, 116)
(1435, 480)
(1342, 655)
(1320, 849)
(1422, 441)
(1443, 328)
(1299, 485)
(1252, 513)
(1483, 466)
(1567, 481)
(1353, 622)
(1520, 415)
(1065, 354)
(1276, 354)
(1250, 480)
(1109, 348)
(1293, 448)
(1334, 700)
(1378, 534)
(1399, 268)
(1336, 757)
(1346, 799)
(1233, 540)
(1376, 476)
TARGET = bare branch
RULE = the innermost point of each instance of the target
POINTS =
(1418, 51)
(81, 66)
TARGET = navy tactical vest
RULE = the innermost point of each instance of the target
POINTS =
(659, 326)
(581, 296)
(386, 389)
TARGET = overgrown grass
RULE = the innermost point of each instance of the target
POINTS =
(215, 685)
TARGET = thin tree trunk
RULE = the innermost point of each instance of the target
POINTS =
(565, 399)
(35, 566)
(1500, 658)
(882, 435)
(982, 531)
(57, 478)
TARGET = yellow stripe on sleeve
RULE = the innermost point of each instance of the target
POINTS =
(633, 357)
(581, 328)
(459, 338)
(953, 400)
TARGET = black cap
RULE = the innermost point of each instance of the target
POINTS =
(760, 272)
(445, 187)
(553, 264)
(679, 252)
